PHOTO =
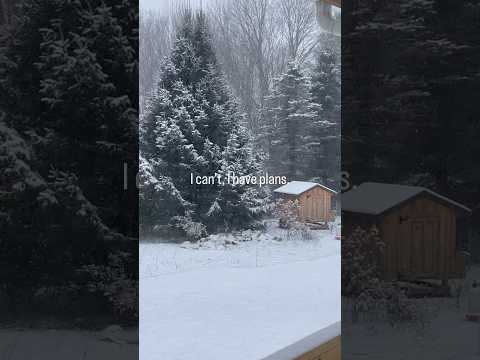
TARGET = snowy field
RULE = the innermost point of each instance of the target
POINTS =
(444, 335)
(237, 297)
(448, 336)
(27, 344)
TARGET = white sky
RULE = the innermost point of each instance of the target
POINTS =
(165, 4)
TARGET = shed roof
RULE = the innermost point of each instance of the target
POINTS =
(376, 198)
(299, 187)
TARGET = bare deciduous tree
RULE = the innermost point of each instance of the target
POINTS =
(250, 48)
(254, 41)
(298, 17)
(155, 43)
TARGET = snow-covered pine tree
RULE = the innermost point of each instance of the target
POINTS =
(289, 112)
(323, 136)
(69, 77)
(192, 126)
(235, 204)
(170, 145)
(68, 80)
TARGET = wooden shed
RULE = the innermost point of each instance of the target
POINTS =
(314, 200)
(418, 226)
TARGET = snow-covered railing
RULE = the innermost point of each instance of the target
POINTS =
(313, 347)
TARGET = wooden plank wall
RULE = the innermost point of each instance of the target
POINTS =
(401, 256)
(330, 350)
(315, 205)
(337, 3)
(324, 344)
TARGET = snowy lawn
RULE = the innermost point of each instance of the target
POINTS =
(242, 301)
(25, 344)
(444, 334)
(447, 336)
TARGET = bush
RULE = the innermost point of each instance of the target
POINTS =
(387, 301)
(362, 281)
(287, 212)
(361, 253)
(192, 230)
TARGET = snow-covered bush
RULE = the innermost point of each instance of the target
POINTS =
(399, 308)
(362, 281)
(192, 230)
(287, 212)
(361, 254)
(387, 301)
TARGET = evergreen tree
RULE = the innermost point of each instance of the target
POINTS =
(323, 135)
(409, 50)
(289, 112)
(69, 78)
(192, 126)
(68, 95)
(236, 204)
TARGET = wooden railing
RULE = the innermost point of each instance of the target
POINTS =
(337, 3)
(322, 345)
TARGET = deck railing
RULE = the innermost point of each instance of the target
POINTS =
(322, 345)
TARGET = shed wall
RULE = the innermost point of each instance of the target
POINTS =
(315, 205)
(420, 239)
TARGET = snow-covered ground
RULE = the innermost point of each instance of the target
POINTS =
(237, 300)
(445, 334)
(26, 344)
(245, 250)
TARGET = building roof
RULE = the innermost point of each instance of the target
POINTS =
(299, 187)
(376, 198)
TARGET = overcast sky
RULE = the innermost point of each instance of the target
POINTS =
(165, 4)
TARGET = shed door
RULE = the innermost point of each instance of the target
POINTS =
(423, 245)
(311, 207)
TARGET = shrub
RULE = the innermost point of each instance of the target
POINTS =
(287, 212)
(362, 281)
